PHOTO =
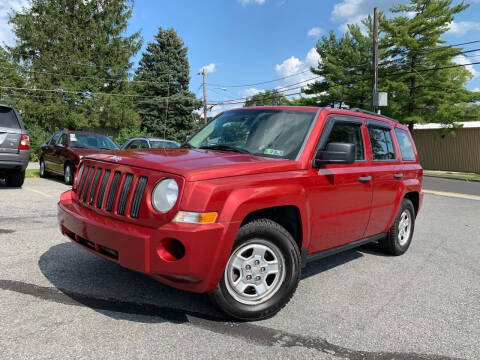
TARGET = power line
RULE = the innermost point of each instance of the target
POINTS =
(172, 98)
(262, 82)
(239, 100)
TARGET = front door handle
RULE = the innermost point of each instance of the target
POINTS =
(398, 176)
(364, 179)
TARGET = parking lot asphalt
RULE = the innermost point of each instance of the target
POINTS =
(58, 301)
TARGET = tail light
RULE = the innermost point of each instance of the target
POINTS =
(78, 175)
(24, 143)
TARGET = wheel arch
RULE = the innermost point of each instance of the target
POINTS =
(287, 216)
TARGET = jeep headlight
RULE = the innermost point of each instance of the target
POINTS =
(165, 195)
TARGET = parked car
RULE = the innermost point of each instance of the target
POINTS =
(255, 195)
(62, 152)
(14, 147)
(149, 143)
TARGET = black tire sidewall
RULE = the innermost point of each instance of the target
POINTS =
(68, 181)
(44, 173)
(266, 231)
(397, 248)
(15, 178)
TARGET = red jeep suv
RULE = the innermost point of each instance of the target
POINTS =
(248, 201)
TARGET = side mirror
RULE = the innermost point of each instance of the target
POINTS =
(335, 153)
(187, 137)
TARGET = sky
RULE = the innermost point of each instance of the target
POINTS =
(243, 42)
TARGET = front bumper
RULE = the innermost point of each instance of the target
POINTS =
(140, 248)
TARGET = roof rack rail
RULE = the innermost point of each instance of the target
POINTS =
(372, 113)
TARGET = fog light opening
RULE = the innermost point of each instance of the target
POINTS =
(170, 250)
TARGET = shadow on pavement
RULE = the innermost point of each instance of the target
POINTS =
(117, 292)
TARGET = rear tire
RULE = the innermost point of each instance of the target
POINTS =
(68, 174)
(400, 235)
(15, 178)
(262, 272)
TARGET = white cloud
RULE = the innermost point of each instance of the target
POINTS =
(7, 7)
(210, 68)
(462, 27)
(461, 59)
(353, 11)
(315, 31)
(293, 65)
(246, 2)
(251, 91)
(476, 89)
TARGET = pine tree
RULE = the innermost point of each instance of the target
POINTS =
(267, 97)
(410, 46)
(165, 74)
(345, 68)
(77, 48)
(9, 77)
(412, 43)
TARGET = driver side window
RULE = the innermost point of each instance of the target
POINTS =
(348, 132)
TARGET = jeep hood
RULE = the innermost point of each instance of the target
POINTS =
(197, 164)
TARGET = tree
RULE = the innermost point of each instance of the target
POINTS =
(267, 97)
(412, 42)
(345, 68)
(76, 50)
(410, 50)
(9, 77)
(164, 73)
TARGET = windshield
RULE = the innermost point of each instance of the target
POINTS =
(270, 133)
(92, 141)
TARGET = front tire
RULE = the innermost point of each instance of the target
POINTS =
(400, 235)
(15, 178)
(261, 274)
(43, 171)
(68, 174)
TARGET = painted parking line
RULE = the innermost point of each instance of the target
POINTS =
(452, 194)
(37, 191)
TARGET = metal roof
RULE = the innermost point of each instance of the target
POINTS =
(431, 126)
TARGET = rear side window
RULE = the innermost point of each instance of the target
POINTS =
(405, 144)
(344, 132)
(382, 144)
(8, 119)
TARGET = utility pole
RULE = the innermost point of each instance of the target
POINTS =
(204, 96)
(375, 59)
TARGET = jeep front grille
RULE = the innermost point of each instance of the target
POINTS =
(94, 186)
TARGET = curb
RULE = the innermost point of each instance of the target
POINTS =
(451, 178)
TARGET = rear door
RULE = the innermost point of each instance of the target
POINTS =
(10, 132)
(384, 172)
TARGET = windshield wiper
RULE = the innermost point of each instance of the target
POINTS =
(223, 147)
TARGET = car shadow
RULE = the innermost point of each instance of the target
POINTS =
(124, 294)
(118, 292)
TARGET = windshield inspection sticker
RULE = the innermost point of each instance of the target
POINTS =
(73, 137)
(274, 152)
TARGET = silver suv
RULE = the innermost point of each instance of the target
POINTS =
(14, 147)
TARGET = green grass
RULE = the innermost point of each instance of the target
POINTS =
(452, 175)
(32, 173)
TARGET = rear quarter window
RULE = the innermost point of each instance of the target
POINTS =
(405, 144)
(8, 119)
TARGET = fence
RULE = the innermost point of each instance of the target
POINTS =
(439, 150)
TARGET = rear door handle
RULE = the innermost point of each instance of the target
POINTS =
(364, 179)
(398, 176)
